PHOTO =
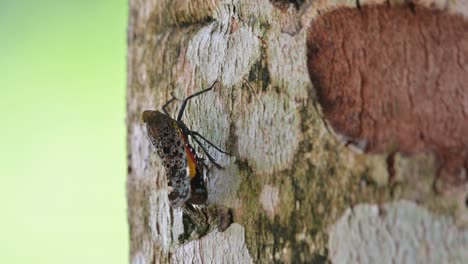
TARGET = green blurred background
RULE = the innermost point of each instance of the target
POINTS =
(62, 141)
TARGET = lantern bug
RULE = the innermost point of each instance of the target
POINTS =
(184, 168)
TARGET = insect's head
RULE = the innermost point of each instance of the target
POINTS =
(151, 117)
(155, 121)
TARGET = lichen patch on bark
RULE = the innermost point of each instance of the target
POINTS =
(292, 77)
(214, 48)
(268, 133)
(395, 76)
(210, 250)
(398, 232)
(160, 218)
(314, 191)
(269, 199)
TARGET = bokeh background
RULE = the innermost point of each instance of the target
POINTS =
(62, 131)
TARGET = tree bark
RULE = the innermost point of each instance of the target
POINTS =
(299, 192)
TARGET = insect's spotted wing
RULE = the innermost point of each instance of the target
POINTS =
(183, 168)
(170, 146)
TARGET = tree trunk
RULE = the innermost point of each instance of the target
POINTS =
(307, 180)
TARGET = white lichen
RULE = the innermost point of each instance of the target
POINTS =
(209, 249)
(398, 232)
(215, 48)
(269, 133)
(286, 63)
(159, 218)
(269, 198)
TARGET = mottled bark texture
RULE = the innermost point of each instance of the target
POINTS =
(349, 144)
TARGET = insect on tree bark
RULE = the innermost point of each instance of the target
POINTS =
(345, 124)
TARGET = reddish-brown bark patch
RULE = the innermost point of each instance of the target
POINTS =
(395, 77)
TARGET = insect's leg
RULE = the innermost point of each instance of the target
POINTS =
(202, 162)
(207, 154)
(167, 103)
(184, 103)
(194, 133)
(187, 207)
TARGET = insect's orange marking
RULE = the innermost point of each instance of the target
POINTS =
(192, 162)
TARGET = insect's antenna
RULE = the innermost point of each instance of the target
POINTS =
(184, 103)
